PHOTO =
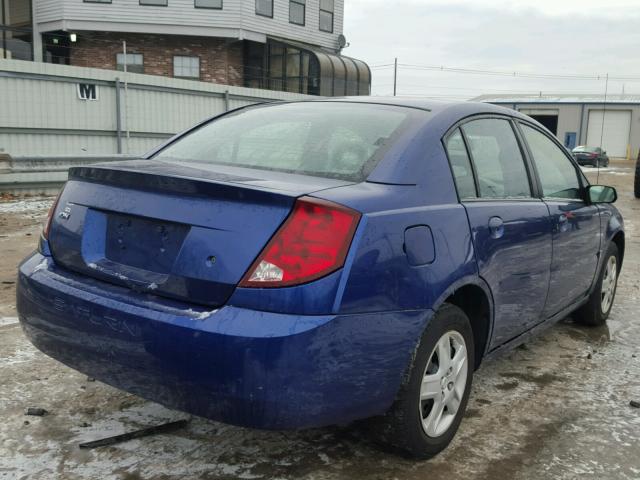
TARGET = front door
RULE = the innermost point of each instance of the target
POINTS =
(511, 230)
(576, 224)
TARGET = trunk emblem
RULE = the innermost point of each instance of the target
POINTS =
(66, 213)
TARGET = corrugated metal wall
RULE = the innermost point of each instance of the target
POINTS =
(41, 112)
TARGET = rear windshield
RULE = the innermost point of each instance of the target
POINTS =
(327, 139)
(586, 149)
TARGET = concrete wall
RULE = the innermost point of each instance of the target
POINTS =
(42, 114)
(574, 117)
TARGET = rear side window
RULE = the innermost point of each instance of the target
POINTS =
(498, 160)
(461, 166)
(557, 174)
(328, 139)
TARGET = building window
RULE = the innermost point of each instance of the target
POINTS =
(154, 3)
(134, 62)
(186, 67)
(264, 8)
(215, 4)
(297, 11)
(96, 1)
(326, 16)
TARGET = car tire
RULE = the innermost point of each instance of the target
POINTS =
(636, 183)
(418, 425)
(596, 311)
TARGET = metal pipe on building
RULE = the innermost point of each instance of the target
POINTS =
(118, 116)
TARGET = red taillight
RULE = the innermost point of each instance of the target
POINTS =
(594, 155)
(52, 210)
(311, 243)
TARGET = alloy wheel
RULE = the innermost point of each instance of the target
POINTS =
(609, 280)
(443, 383)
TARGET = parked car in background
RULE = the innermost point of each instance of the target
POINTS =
(636, 183)
(594, 156)
(302, 264)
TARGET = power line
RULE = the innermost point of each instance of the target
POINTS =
(479, 71)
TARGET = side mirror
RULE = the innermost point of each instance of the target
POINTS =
(601, 194)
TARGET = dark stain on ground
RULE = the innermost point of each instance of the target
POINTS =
(483, 401)
(507, 385)
(131, 476)
(598, 335)
(543, 379)
(472, 413)
(525, 452)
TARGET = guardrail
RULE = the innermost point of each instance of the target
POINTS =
(43, 175)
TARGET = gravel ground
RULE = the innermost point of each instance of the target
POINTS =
(556, 408)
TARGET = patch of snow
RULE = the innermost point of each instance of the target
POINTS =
(21, 354)
(4, 321)
(608, 170)
(92, 265)
(152, 286)
(26, 206)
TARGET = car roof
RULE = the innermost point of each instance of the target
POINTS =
(434, 106)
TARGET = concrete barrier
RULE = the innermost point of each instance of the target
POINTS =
(43, 175)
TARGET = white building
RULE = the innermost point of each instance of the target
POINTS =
(287, 45)
(612, 122)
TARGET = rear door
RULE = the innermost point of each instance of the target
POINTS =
(576, 224)
(510, 227)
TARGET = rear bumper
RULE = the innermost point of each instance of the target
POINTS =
(587, 161)
(239, 366)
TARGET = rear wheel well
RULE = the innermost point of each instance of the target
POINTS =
(475, 304)
(618, 239)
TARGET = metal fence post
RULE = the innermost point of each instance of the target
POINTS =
(118, 116)
(226, 100)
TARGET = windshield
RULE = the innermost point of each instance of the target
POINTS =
(327, 139)
(586, 149)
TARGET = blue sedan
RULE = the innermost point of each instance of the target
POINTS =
(302, 264)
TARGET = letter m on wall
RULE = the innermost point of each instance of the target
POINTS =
(87, 91)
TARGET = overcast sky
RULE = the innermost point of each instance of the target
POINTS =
(587, 37)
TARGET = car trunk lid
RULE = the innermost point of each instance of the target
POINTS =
(183, 231)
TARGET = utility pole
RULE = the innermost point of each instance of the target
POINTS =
(395, 76)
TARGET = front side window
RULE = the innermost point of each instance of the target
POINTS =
(134, 62)
(215, 4)
(326, 16)
(557, 174)
(461, 166)
(264, 8)
(297, 11)
(186, 67)
(325, 139)
(497, 158)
